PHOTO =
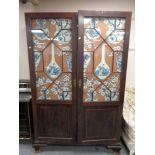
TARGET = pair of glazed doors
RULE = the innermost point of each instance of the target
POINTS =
(78, 70)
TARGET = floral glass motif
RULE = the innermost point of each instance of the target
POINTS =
(52, 48)
(102, 58)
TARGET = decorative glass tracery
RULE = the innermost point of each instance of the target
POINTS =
(52, 48)
(102, 58)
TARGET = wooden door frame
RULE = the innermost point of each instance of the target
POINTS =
(35, 103)
(81, 15)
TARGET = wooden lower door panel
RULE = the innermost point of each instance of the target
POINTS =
(99, 125)
(56, 123)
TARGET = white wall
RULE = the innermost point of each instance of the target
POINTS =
(23, 53)
(73, 6)
(130, 81)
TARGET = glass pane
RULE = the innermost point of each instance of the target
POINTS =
(117, 67)
(38, 60)
(112, 31)
(52, 49)
(102, 58)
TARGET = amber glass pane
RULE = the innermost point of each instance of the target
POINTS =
(102, 57)
(52, 48)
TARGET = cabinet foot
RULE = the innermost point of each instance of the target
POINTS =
(36, 149)
(116, 149)
(117, 153)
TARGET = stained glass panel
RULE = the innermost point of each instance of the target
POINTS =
(52, 48)
(102, 58)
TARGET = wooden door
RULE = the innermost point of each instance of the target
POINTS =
(103, 40)
(52, 45)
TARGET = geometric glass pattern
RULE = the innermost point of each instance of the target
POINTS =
(52, 49)
(102, 58)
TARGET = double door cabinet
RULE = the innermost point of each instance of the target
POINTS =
(78, 71)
